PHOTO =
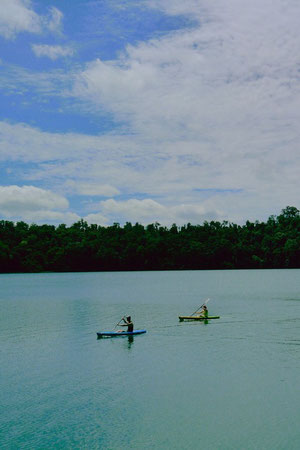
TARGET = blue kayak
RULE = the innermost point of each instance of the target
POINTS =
(120, 333)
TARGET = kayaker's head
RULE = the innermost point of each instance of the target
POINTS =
(128, 319)
(204, 307)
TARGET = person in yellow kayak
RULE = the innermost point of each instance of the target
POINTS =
(204, 312)
(127, 323)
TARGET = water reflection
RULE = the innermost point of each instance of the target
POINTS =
(130, 341)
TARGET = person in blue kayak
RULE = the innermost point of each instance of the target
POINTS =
(204, 311)
(127, 323)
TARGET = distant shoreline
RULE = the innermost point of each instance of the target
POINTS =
(274, 244)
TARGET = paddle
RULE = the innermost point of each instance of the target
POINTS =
(119, 322)
(206, 301)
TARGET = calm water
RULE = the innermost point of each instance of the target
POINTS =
(230, 384)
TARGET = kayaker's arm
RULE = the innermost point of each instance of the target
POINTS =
(119, 323)
(127, 323)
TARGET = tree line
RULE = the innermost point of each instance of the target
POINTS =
(211, 245)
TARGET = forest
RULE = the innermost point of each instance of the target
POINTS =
(211, 245)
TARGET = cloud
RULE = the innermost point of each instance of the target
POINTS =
(192, 8)
(54, 20)
(17, 16)
(54, 217)
(218, 103)
(208, 83)
(172, 174)
(149, 211)
(97, 218)
(27, 144)
(44, 86)
(34, 204)
(52, 51)
(29, 198)
(92, 189)
(209, 119)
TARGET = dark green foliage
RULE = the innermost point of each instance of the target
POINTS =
(214, 245)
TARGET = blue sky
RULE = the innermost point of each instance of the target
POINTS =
(148, 111)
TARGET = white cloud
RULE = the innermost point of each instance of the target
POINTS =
(16, 80)
(34, 204)
(52, 51)
(185, 82)
(45, 216)
(218, 103)
(25, 143)
(29, 198)
(93, 189)
(54, 20)
(132, 208)
(97, 218)
(18, 16)
(192, 8)
(175, 173)
(212, 115)
(149, 211)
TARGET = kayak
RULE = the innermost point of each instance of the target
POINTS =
(181, 318)
(120, 333)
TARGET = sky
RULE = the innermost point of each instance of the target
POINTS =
(148, 111)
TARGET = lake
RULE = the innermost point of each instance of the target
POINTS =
(232, 383)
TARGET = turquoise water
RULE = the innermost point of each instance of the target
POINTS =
(230, 384)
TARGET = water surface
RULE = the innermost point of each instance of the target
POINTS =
(229, 384)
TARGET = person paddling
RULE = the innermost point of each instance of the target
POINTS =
(204, 311)
(127, 323)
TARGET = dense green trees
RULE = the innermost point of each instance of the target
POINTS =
(212, 245)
